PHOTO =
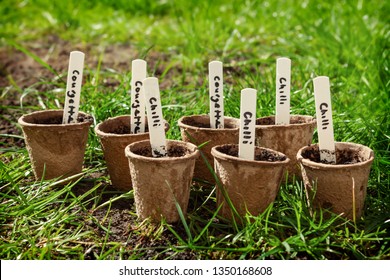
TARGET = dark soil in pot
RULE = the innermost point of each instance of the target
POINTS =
(260, 155)
(342, 156)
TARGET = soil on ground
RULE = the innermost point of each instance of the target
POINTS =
(118, 222)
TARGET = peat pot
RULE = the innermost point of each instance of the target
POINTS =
(114, 134)
(159, 183)
(55, 149)
(339, 187)
(287, 139)
(251, 185)
(196, 129)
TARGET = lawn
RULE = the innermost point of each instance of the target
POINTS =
(345, 40)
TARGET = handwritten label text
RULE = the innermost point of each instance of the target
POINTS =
(216, 100)
(248, 135)
(282, 95)
(136, 106)
(73, 87)
(283, 77)
(155, 117)
(72, 94)
(324, 119)
(216, 94)
(246, 144)
(138, 69)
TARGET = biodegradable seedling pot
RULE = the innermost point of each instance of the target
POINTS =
(339, 187)
(160, 182)
(196, 129)
(287, 139)
(251, 185)
(55, 149)
(114, 134)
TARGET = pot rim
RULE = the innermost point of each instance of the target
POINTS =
(324, 166)
(24, 123)
(101, 133)
(194, 152)
(230, 158)
(312, 121)
(184, 125)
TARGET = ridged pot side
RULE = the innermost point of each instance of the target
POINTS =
(55, 149)
(114, 134)
(251, 185)
(287, 139)
(196, 129)
(160, 182)
(340, 188)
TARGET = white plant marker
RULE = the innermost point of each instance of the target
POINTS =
(246, 144)
(324, 119)
(216, 94)
(155, 118)
(137, 123)
(283, 81)
(73, 87)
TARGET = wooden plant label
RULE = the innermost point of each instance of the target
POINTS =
(73, 87)
(155, 118)
(324, 119)
(246, 144)
(137, 123)
(216, 94)
(283, 81)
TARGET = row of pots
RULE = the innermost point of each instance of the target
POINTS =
(160, 184)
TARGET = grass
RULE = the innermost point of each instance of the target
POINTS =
(349, 42)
